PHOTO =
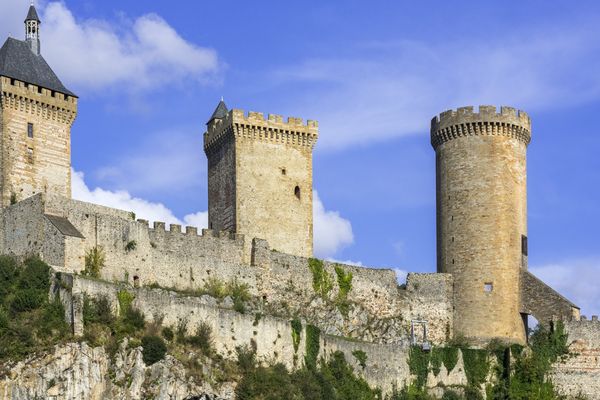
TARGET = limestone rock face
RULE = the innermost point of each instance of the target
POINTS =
(78, 371)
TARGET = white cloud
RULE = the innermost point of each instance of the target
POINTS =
(124, 201)
(576, 279)
(394, 89)
(331, 231)
(96, 54)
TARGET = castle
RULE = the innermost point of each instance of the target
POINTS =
(260, 224)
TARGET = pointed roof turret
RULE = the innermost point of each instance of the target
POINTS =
(32, 15)
(220, 112)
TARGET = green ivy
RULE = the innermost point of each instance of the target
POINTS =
(296, 331)
(313, 336)
(361, 357)
(322, 282)
(418, 363)
(344, 280)
(449, 357)
(477, 366)
(125, 299)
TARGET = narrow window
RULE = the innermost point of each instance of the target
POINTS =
(30, 154)
(524, 250)
(30, 130)
(283, 171)
(297, 192)
(488, 287)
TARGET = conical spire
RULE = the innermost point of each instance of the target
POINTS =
(220, 112)
(32, 15)
(32, 30)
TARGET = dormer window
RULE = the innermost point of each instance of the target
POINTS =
(30, 130)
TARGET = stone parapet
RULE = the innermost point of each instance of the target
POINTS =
(255, 126)
(464, 121)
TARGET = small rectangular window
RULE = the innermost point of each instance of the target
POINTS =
(488, 287)
(30, 154)
(30, 130)
(524, 250)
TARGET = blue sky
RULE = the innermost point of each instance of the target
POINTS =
(150, 73)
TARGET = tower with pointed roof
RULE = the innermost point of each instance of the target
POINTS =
(36, 114)
(260, 177)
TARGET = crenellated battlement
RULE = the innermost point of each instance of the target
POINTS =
(175, 230)
(464, 121)
(582, 319)
(254, 125)
(18, 95)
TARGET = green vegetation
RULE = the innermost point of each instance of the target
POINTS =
(330, 380)
(361, 357)
(168, 333)
(202, 338)
(130, 246)
(519, 374)
(344, 280)
(29, 320)
(322, 281)
(13, 198)
(296, 331)
(313, 337)
(240, 294)
(154, 349)
(132, 215)
(94, 261)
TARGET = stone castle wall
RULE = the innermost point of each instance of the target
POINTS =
(482, 216)
(386, 365)
(260, 178)
(580, 373)
(41, 164)
(380, 310)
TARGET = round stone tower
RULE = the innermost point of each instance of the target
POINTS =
(481, 186)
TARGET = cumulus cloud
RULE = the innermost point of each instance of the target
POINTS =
(576, 279)
(138, 54)
(122, 200)
(331, 231)
(395, 88)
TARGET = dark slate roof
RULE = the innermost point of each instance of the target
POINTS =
(220, 112)
(64, 226)
(32, 14)
(18, 61)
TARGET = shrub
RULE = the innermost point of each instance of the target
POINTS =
(26, 300)
(154, 349)
(94, 261)
(167, 333)
(35, 276)
(125, 299)
(202, 338)
(8, 275)
(215, 288)
(451, 395)
(246, 357)
(133, 321)
(97, 310)
(130, 246)
(181, 330)
(361, 357)
(240, 294)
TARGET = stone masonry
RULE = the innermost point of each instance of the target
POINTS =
(41, 163)
(260, 178)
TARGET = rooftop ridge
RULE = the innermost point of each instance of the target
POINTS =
(464, 121)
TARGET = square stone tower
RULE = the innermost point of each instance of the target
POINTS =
(36, 114)
(260, 177)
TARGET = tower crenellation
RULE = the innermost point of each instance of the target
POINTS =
(254, 124)
(465, 122)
